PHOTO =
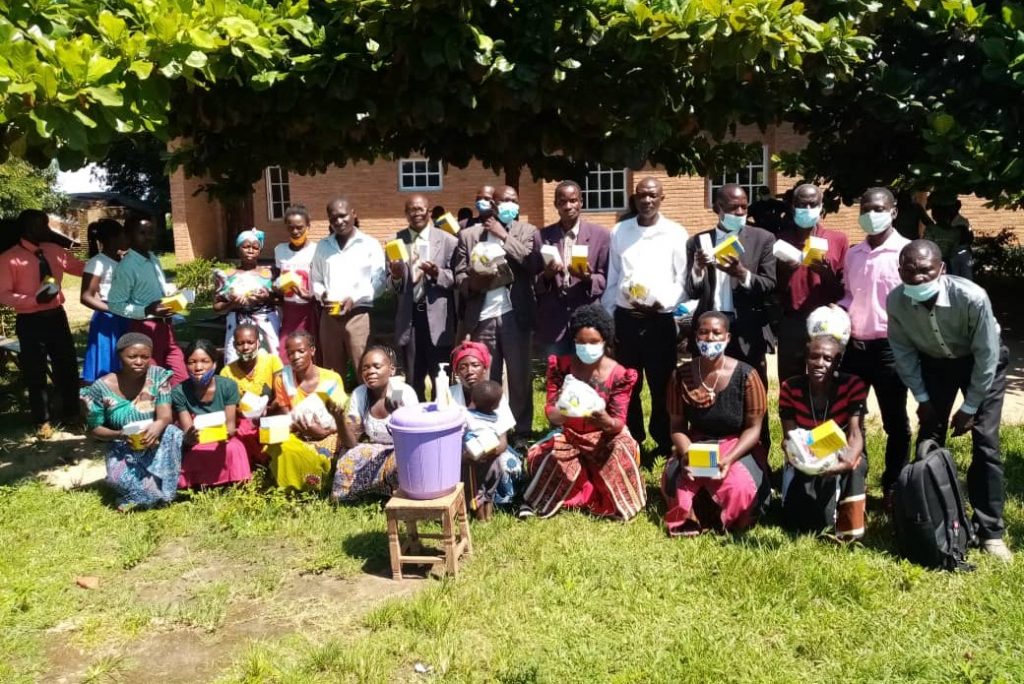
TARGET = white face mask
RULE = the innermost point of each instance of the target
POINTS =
(731, 222)
(806, 217)
(875, 222)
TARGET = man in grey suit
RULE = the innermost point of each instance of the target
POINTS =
(425, 317)
(739, 287)
(498, 307)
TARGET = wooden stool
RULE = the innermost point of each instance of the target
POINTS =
(449, 509)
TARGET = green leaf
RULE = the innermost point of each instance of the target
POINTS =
(141, 68)
(111, 26)
(105, 95)
(196, 59)
(99, 66)
(81, 116)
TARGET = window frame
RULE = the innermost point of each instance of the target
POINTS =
(609, 173)
(282, 182)
(711, 186)
(427, 172)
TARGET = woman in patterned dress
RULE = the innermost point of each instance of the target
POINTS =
(246, 295)
(138, 391)
(588, 463)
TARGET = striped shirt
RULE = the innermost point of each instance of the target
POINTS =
(849, 398)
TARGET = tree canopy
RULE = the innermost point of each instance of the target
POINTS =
(547, 86)
(23, 186)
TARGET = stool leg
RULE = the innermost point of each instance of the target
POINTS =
(450, 555)
(395, 547)
(464, 526)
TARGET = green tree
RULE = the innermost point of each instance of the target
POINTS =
(936, 105)
(23, 186)
(136, 166)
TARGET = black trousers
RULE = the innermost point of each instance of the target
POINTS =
(874, 363)
(647, 344)
(792, 347)
(45, 336)
(422, 357)
(943, 378)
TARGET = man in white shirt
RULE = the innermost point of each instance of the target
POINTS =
(348, 275)
(646, 276)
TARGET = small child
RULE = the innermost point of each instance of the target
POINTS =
(482, 442)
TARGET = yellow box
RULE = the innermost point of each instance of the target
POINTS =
(815, 250)
(176, 303)
(212, 427)
(703, 454)
(826, 439)
(578, 256)
(289, 281)
(638, 292)
(396, 251)
(275, 429)
(448, 224)
(730, 247)
(334, 308)
(136, 433)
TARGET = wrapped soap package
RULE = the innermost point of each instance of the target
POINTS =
(486, 257)
(176, 302)
(829, 320)
(448, 224)
(703, 459)
(212, 427)
(134, 431)
(826, 439)
(799, 455)
(275, 429)
(481, 442)
(253, 405)
(289, 281)
(730, 247)
(787, 252)
(815, 249)
(637, 293)
(396, 389)
(313, 410)
(578, 399)
(578, 256)
(396, 251)
(49, 286)
(550, 254)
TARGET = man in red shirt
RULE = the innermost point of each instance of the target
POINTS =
(31, 273)
(803, 287)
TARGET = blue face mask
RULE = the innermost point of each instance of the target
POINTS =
(922, 292)
(589, 353)
(205, 379)
(508, 212)
(806, 217)
(483, 206)
(732, 222)
(875, 222)
(711, 350)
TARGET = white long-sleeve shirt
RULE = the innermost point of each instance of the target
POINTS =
(355, 272)
(654, 256)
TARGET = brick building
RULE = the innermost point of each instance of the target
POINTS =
(378, 191)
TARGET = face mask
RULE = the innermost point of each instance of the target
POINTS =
(205, 379)
(732, 222)
(483, 206)
(711, 350)
(248, 356)
(806, 217)
(922, 292)
(508, 212)
(298, 244)
(875, 222)
(589, 353)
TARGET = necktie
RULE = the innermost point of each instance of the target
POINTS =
(418, 284)
(44, 266)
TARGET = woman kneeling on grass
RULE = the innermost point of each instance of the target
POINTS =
(715, 399)
(203, 393)
(368, 468)
(303, 461)
(136, 392)
(253, 371)
(590, 463)
(833, 500)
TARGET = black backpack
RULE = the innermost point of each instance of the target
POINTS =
(932, 528)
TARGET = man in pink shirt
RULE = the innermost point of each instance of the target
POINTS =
(31, 273)
(871, 272)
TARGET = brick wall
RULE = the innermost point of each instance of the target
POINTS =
(373, 190)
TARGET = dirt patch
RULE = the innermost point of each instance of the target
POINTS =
(175, 579)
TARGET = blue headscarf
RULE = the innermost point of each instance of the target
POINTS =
(251, 234)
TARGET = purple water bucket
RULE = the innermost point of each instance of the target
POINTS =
(428, 449)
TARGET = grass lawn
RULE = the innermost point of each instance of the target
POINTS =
(243, 585)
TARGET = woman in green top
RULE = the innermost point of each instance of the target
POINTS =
(204, 392)
(137, 392)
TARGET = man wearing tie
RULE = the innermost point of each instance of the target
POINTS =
(564, 285)
(425, 318)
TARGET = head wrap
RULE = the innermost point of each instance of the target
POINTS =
(131, 339)
(477, 350)
(251, 234)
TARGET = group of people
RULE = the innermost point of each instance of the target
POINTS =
(602, 307)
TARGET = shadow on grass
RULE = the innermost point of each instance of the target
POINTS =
(372, 549)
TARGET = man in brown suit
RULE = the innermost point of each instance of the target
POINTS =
(498, 306)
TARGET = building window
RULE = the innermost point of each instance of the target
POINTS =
(604, 189)
(419, 174)
(751, 177)
(279, 194)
